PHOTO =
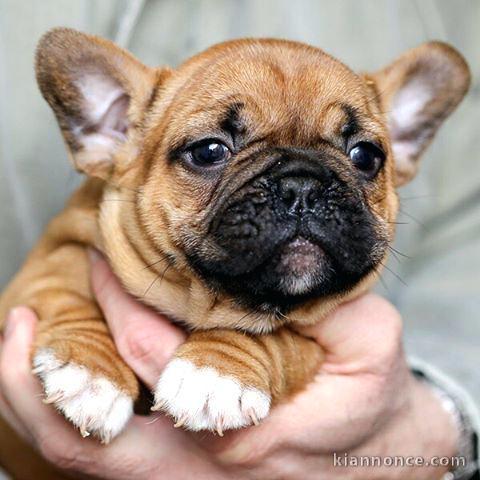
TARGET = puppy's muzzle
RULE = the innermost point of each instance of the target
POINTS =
(294, 230)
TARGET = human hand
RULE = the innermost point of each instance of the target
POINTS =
(364, 401)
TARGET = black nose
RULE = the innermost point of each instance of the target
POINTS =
(299, 194)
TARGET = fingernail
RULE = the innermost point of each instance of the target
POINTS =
(94, 255)
(11, 321)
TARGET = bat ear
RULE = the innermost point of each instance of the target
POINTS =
(97, 91)
(418, 91)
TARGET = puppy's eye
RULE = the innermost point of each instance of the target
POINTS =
(368, 158)
(209, 154)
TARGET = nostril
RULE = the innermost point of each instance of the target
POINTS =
(312, 196)
(299, 193)
(292, 193)
(288, 195)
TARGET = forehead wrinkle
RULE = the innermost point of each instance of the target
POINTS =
(224, 101)
(335, 116)
(374, 122)
(219, 115)
(359, 116)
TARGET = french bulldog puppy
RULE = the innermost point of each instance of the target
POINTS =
(245, 193)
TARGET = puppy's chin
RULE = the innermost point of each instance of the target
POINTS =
(299, 271)
(302, 265)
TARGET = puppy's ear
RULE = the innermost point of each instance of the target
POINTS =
(417, 92)
(98, 93)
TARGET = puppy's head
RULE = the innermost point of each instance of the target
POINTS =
(264, 170)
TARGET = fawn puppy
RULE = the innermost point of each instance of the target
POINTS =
(248, 191)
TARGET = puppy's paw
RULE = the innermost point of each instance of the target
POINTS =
(202, 399)
(92, 403)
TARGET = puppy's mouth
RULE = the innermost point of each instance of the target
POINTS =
(298, 269)
(300, 264)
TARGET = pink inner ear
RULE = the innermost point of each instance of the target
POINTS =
(105, 107)
(104, 123)
(115, 120)
(409, 104)
(408, 121)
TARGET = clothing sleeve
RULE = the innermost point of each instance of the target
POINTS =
(463, 409)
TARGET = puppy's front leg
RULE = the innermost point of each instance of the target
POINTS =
(225, 379)
(82, 374)
(74, 355)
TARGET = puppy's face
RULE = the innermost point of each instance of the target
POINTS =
(279, 173)
(264, 169)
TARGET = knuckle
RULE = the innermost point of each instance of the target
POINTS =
(388, 323)
(385, 331)
(59, 453)
(393, 325)
(135, 345)
(245, 453)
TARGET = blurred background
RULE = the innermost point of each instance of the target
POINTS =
(434, 281)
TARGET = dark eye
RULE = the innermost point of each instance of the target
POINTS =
(209, 154)
(368, 158)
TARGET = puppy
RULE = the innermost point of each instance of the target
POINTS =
(247, 192)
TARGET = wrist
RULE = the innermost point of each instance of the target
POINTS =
(437, 424)
(418, 436)
(457, 403)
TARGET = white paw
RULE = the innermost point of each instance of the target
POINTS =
(202, 399)
(92, 403)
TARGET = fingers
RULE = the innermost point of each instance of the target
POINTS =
(18, 331)
(366, 330)
(21, 390)
(50, 433)
(5, 411)
(145, 339)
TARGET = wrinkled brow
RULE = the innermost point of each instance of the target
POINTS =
(351, 124)
(229, 122)
(232, 123)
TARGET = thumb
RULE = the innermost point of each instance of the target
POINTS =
(359, 334)
(145, 339)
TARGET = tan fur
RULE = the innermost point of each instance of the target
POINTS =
(144, 209)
